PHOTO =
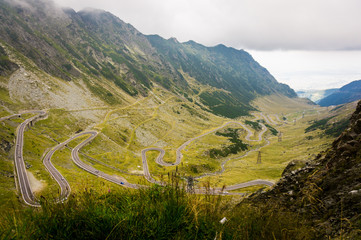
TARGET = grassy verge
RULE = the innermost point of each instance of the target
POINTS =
(154, 213)
(8, 196)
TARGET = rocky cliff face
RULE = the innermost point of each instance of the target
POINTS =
(328, 189)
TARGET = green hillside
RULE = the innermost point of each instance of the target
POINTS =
(99, 49)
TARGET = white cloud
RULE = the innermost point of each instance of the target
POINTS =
(304, 70)
(249, 24)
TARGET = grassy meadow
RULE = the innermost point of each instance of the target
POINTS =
(165, 121)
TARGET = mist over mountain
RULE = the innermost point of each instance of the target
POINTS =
(316, 95)
(99, 49)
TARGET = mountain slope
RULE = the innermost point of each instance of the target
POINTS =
(327, 190)
(96, 49)
(348, 93)
(225, 68)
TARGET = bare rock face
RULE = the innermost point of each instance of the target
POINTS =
(28, 88)
(328, 189)
(292, 166)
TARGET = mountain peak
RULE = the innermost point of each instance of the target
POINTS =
(173, 39)
(220, 46)
(93, 10)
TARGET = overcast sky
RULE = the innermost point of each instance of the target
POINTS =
(308, 44)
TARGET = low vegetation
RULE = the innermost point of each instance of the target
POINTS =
(154, 213)
(272, 129)
(236, 146)
(319, 124)
(330, 128)
(255, 125)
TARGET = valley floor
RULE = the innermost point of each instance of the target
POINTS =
(183, 136)
(159, 139)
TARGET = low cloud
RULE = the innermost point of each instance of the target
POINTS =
(248, 24)
(312, 69)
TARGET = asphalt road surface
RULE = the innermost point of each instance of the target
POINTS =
(9, 117)
(22, 174)
(63, 183)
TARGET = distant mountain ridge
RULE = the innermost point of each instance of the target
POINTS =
(348, 93)
(102, 51)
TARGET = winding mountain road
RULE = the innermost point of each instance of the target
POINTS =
(271, 120)
(179, 157)
(23, 179)
(30, 199)
(63, 183)
(75, 156)
(266, 119)
(10, 117)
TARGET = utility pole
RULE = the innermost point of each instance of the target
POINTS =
(280, 137)
(190, 184)
(259, 161)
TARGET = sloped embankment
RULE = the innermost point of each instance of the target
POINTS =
(328, 189)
